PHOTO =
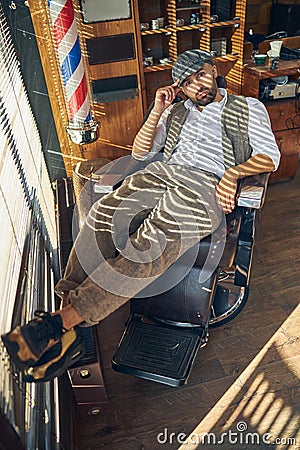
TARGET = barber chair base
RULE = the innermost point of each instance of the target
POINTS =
(158, 352)
(163, 350)
(229, 300)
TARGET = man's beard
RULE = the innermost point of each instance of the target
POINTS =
(209, 97)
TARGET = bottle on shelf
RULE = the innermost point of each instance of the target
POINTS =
(147, 58)
(195, 18)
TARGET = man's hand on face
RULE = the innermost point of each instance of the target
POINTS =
(226, 192)
(164, 97)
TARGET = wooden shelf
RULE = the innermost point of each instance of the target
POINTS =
(262, 72)
(229, 23)
(158, 67)
(219, 59)
(227, 58)
(159, 31)
(188, 8)
(198, 26)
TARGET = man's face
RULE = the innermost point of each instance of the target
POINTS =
(201, 86)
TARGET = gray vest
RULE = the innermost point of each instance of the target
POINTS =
(234, 121)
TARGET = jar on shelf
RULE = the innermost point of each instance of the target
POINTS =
(180, 22)
(145, 26)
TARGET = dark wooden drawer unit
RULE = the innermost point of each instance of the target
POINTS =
(284, 115)
(283, 119)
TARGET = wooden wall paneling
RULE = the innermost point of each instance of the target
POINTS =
(252, 8)
(258, 14)
(118, 125)
(119, 120)
(71, 152)
(264, 16)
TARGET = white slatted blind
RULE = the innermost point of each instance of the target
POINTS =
(26, 210)
(22, 169)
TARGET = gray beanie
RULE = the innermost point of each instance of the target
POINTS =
(190, 62)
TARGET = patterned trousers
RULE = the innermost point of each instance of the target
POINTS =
(133, 234)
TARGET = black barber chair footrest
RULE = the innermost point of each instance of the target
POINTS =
(158, 352)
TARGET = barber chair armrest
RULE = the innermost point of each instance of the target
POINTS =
(251, 195)
(110, 176)
(123, 166)
(252, 190)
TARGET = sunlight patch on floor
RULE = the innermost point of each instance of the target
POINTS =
(253, 403)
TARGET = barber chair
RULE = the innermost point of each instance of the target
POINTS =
(164, 332)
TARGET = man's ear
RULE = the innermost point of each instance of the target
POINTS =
(215, 71)
(182, 94)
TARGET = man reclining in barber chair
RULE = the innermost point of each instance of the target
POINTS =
(135, 233)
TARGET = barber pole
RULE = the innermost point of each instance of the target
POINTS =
(82, 128)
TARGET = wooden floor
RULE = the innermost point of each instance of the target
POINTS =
(246, 380)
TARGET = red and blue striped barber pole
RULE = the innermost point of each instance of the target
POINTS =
(81, 128)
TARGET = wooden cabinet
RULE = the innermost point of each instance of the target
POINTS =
(284, 114)
(168, 28)
(128, 56)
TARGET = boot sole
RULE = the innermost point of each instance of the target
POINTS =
(18, 349)
(72, 349)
